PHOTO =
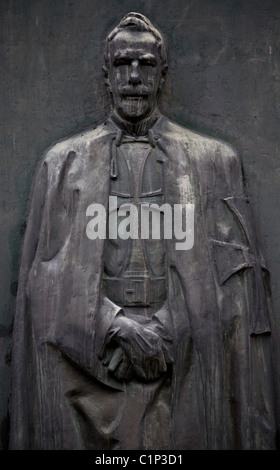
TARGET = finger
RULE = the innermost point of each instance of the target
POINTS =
(155, 366)
(153, 372)
(140, 372)
(147, 341)
(107, 356)
(167, 355)
(160, 365)
(124, 371)
(160, 331)
(116, 359)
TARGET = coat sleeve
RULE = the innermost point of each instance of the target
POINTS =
(234, 244)
(21, 342)
(59, 299)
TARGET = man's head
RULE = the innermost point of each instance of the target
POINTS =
(135, 67)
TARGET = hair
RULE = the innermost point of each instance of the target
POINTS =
(136, 22)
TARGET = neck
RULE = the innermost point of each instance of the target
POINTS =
(140, 127)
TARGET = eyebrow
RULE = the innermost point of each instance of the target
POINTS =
(150, 57)
(128, 53)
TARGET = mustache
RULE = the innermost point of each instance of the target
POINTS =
(128, 90)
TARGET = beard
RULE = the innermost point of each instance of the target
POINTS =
(135, 102)
(134, 106)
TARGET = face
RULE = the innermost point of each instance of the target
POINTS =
(135, 74)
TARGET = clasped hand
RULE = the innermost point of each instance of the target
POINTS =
(140, 351)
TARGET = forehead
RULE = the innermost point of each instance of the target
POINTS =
(133, 44)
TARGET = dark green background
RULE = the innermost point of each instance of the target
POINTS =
(224, 80)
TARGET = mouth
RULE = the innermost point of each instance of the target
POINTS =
(134, 92)
(135, 96)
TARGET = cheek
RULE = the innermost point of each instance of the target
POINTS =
(121, 75)
(117, 76)
(153, 84)
(151, 77)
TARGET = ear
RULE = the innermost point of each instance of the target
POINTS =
(106, 77)
(163, 76)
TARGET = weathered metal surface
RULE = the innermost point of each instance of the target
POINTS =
(208, 326)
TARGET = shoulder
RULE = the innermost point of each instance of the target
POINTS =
(214, 161)
(199, 145)
(79, 144)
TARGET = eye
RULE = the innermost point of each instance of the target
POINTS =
(121, 61)
(149, 61)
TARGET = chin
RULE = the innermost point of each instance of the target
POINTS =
(134, 108)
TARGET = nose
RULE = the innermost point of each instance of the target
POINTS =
(134, 77)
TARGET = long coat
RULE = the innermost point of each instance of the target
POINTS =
(221, 391)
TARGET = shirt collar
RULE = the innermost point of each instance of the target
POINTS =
(138, 129)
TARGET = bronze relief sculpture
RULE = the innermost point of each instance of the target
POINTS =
(131, 342)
